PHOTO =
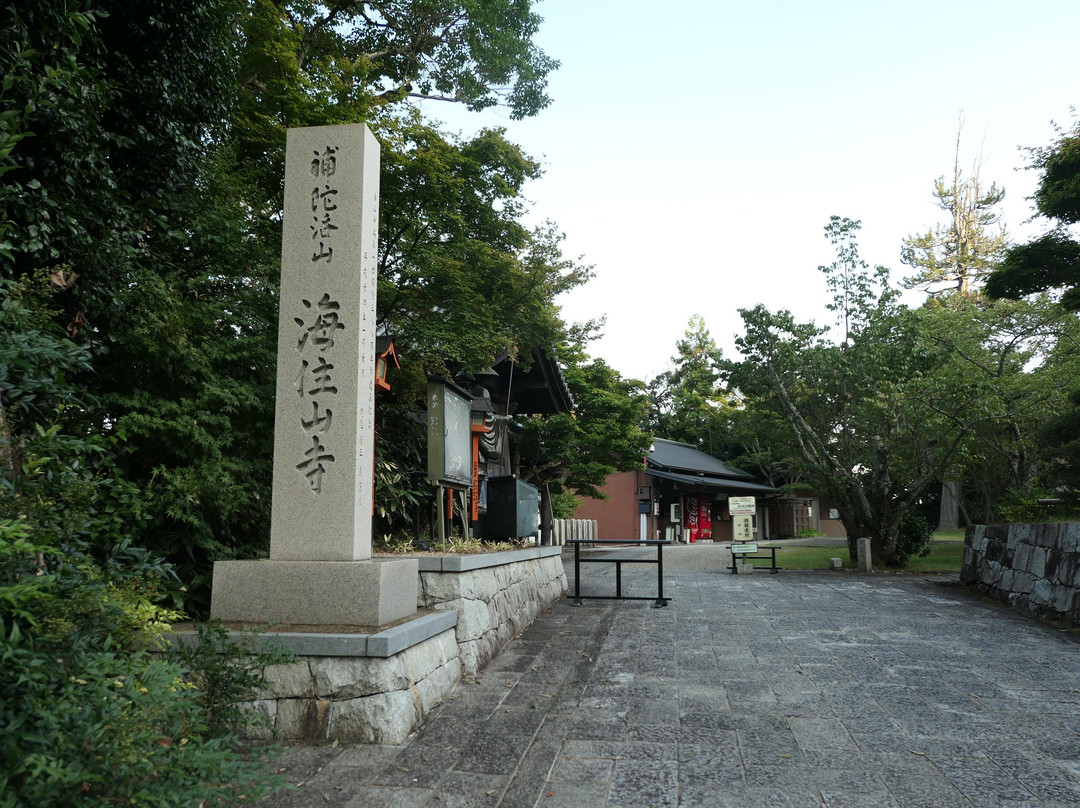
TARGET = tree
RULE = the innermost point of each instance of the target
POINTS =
(962, 251)
(478, 54)
(452, 243)
(687, 402)
(461, 278)
(871, 423)
(92, 184)
(145, 163)
(1020, 360)
(959, 253)
(306, 63)
(573, 453)
(1051, 261)
(121, 210)
(113, 108)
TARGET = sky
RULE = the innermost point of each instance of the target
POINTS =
(695, 149)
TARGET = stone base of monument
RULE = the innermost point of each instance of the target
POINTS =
(355, 593)
(365, 686)
(375, 684)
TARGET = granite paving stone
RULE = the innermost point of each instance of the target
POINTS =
(644, 784)
(807, 690)
(917, 791)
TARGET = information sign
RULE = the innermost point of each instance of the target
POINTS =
(741, 505)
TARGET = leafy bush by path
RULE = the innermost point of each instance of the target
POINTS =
(225, 672)
(86, 720)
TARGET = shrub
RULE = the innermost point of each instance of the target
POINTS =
(225, 673)
(86, 720)
(88, 715)
(914, 537)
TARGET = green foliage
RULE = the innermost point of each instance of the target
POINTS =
(868, 419)
(36, 361)
(141, 238)
(564, 504)
(573, 453)
(1020, 360)
(85, 716)
(1061, 434)
(226, 673)
(452, 241)
(198, 421)
(1051, 261)
(349, 61)
(114, 105)
(358, 54)
(1039, 505)
(97, 727)
(914, 537)
(962, 251)
(141, 149)
(688, 403)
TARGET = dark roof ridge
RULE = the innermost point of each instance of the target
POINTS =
(672, 455)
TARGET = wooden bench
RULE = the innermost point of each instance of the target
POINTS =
(748, 552)
(618, 561)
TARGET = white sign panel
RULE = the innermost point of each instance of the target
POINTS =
(741, 505)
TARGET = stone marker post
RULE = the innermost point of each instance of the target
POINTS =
(865, 561)
(324, 421)
(320, 568)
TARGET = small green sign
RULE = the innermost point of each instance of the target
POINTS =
(744, 548)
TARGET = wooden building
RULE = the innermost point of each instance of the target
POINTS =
(682, 494)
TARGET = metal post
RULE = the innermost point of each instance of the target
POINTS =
(577, 574)
(440, 533)
(660, 599)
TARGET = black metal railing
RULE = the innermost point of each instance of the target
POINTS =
(618, 561)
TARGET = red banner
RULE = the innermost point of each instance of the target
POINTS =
(697, 516)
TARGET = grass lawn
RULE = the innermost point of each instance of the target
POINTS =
(946, 555)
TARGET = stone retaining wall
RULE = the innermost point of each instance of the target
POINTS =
(357, 699)
(495, 596)
(376, 688)
(1035, 568)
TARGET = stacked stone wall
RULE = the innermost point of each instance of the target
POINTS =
(373, 696)
(494, 603)
(1035, 568)
(356, 699)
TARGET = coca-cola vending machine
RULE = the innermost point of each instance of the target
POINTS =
(697, 517)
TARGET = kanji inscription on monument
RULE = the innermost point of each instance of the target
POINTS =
(324, 421)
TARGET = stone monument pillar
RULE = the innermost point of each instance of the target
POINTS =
(864, 559)
(320, 568)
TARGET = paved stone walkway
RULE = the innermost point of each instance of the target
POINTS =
(809, 690)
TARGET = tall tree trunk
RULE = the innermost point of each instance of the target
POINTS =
(546, 517)
(949, 514)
